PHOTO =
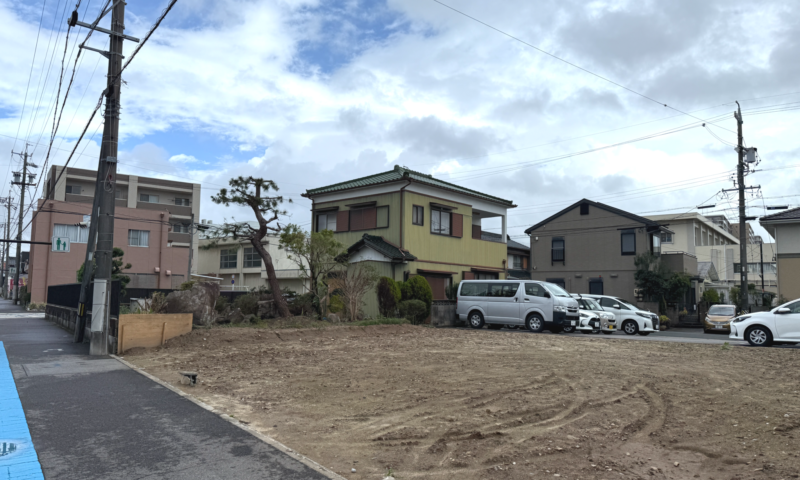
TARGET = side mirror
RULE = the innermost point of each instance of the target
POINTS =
(783, 310)
(547, 295)
(616, 305)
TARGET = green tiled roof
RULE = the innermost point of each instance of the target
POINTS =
(380, 245)
(401, 173)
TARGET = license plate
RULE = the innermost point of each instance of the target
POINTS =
(611, 327)
(572, 322)
(719, 327)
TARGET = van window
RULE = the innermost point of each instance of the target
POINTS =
(534, 290)
(610, 302)
(474, 289)
(503, 289)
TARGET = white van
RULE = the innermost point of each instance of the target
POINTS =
(536, 305)
(630, 319)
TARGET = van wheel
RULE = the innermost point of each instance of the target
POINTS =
(569, 329)
(758, 336)
(476, 319)
(535, 323)
(630, 327)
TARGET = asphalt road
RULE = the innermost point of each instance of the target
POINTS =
(681, 335)
(95, 418)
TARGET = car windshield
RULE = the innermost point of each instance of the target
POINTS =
(622, 300)
(556, 290)
(589, 304)
(722, 310)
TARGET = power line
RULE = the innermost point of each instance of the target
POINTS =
(568, 62)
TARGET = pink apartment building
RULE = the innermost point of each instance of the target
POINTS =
(151, 225)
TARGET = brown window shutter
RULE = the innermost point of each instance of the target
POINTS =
(468, 275)
(370, 218)
(476, 232)
(525, 263)
(458, 225)
(343, 221)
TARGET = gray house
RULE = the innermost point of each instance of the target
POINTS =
(590, 247)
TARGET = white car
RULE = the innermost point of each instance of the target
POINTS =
(630, 319)
(761, 329)
(593, 318)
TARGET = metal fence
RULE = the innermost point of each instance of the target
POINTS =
(67, 295)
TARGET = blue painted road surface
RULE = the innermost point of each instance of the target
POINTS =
(18, 459)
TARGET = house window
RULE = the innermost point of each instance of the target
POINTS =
(383, 217)
(596, 286)
(139, 238)
(485, 276)
(251, 258)
(557, 281)
(515, 261)
(76, 233)
(666, 238)
(74, 189)
(180, 228)
(584, 209)
(655, 239)
(557, 249)
(326, 221)
(143, 197)
(227, 258)
(184, 202)
(629, 242)
(120, 194)
(440, 222)
(418, 215)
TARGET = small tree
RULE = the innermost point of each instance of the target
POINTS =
(711, 296)
(389, 296)
(353, 284)
(118, 267)
(650, 276)
(417, 288)
(317, 255)
(254, 193)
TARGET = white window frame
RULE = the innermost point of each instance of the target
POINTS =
(139, 238)
(183, 202)
(149, 198)
(69, 188)
(76, 233)
(253, 254)
(225, 253)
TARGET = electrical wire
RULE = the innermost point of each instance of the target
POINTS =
(568, 62)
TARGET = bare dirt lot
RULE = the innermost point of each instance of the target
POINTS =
(457, 404)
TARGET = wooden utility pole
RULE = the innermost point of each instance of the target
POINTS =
(742, 214)
(22, 182)
(8, 201)
(102, 220)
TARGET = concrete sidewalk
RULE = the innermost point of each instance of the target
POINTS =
(95, 418)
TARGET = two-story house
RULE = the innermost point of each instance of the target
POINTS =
(152, 225)
(785, 229)
(239, 266)
(589, 247)
(408, 223)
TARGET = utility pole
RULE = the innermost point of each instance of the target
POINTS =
(742, 221)
(102, 220)
(761, 252)
(22, 182)
(191, 249)
(8, 201)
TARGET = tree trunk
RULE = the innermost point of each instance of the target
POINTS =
(280, 302)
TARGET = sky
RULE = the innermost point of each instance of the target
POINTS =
(310, 93)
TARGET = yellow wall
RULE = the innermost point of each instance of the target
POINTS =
(463, 252)
(391, 234)
(789, 277)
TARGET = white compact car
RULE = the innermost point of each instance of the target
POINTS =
(593, 318)
(762, 329)
(630, 319)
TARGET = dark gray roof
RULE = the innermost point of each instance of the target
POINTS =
(793, 214)
(380, 245)
(608, 208)
(401, 173)
(517, 245)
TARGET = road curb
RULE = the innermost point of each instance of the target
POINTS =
(268, 440)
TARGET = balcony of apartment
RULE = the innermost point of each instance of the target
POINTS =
(489, 226)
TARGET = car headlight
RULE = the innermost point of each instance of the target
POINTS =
(559, 308)
(609, 316)
(740, 319)
(644, 315)
(583, 315)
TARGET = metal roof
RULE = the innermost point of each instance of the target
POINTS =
(399, 174)
(793, 214)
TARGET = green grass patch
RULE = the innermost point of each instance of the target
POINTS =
(380, 321)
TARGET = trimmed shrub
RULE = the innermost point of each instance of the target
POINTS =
(414, 310)
(388, 296)
(337, 305)
(248, 304)
(417, 288)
